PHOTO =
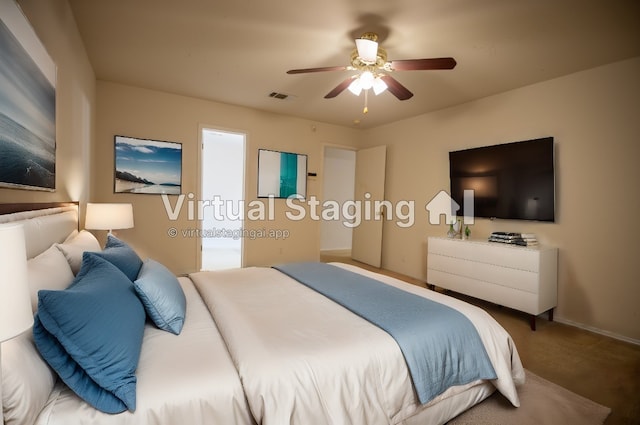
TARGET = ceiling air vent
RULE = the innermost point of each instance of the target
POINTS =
(277, 95)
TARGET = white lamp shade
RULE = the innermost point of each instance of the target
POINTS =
(379, 85)
(355, 87)
(15, 301)
(366, 80)
(367, 50)
(109, 216)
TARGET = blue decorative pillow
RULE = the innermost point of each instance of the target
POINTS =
(91, 334)
(122, 256)
(162, 296)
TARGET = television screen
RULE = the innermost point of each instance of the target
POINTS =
(509, 181)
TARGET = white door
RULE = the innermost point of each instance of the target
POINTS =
(370, 173)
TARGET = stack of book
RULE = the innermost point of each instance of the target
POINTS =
(511, 238)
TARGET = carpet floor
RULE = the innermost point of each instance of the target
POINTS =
(541, 403)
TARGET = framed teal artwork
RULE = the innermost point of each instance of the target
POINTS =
(282, 174)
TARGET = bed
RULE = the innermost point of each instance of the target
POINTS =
(256, 346)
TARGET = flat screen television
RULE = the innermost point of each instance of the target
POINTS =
(509, 181)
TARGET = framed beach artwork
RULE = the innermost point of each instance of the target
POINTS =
(27, 105)
(147, 166)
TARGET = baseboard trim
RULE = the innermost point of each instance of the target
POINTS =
(339, 252)
(597, 330)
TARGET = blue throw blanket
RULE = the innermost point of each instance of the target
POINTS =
(441, 346)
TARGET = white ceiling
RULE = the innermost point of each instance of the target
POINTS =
(238, 51)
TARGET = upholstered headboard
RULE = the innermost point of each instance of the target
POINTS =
(42, 226)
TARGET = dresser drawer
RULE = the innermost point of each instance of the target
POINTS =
(508, 297)
(522, 280)
(486, 252)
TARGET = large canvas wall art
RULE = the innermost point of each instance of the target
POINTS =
(147, 166)
(27, 105)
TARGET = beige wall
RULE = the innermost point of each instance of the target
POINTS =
(135, 112)
(593, 116)
(54, 24)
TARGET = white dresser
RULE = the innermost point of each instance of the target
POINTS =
(522, 278)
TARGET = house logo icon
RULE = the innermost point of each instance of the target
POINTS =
(444, 204)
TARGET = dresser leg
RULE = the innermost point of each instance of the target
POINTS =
(551, 315)
(532, 321)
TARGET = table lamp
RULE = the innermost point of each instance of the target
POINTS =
(15, 301)
(109, 217)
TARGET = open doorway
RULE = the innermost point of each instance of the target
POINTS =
(357, 177)
(339, 172)
(223, 157)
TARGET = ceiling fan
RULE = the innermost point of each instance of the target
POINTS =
(370, 60)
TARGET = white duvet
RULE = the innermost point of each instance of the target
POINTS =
(304, 359)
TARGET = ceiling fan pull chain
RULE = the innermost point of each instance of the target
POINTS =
(366, 101)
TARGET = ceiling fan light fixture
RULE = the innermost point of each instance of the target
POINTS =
(366, 80)
(367, 50)
(355, 87)
(379, 85)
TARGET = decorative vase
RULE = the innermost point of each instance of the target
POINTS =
(467, 232)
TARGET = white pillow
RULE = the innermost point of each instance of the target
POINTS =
(27, 380)
(49, 270)
(74, 248)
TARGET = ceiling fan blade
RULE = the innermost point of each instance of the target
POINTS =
(396, 89)
(423, 64)
(339, 88)
(326, 68)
